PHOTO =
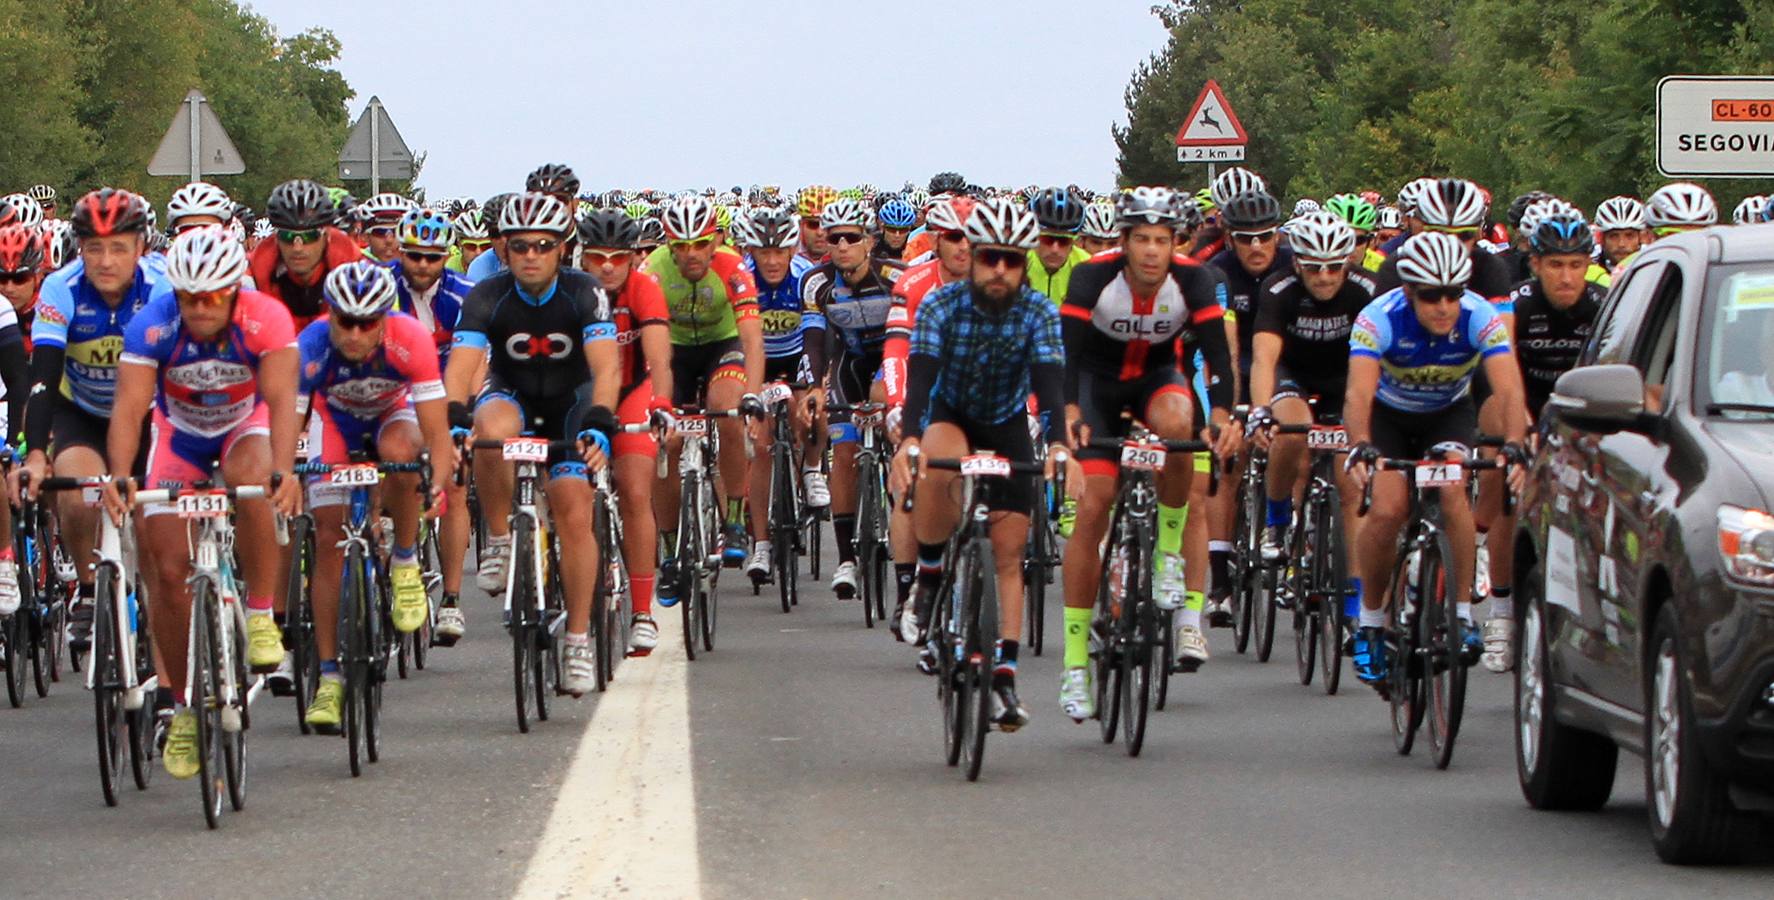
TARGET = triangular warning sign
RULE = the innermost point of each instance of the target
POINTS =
(1211, 122)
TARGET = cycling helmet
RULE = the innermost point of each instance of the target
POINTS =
(60, 247)
(1434, 259)
(1562, 233)
(1002, 223)
(1204, 201)
(237, 230)
(387, 208)
(535, 211)
(724, 218)
(949, 214)
(1099, 222)
(845, 212)
(1539, 210)
(1681, 205)
(470, 226)
(199, 198)
(1321, 237)
(1251, 209)
(154, 241)
(866, 192)
(1620, 214)
(638, 209)
(1411, 194)
(426, 228)
(21, 250)
(612, 199)
(552, 178)
(492, 210)
(25, 210)
(1451, 203)
(917, 197)
(1234, 181)
(1372, 197)
(205, 259)
(947, 183)
(1520, 205)
(1303, 206)
(362, 289)
(42, 193)
(1749, 209)
(688, 218)
(1188, 212)
(1768, 211)
(300, 204)
(813, 198)
(897, 213)
(1057, 209)
(263, 229)
(652, 232)
(109, 211)
(609, 229)
(1146, 206)
(769, 227)
(1359, 213)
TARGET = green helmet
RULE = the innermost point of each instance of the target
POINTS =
(638, 210)
(1204, 200)
(1359, 213)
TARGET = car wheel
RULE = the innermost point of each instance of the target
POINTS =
(1692, 820)
(1559, 767)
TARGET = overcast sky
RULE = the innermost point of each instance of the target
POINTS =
(691, 93)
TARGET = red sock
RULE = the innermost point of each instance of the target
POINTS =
(259, 604)
(640, 589)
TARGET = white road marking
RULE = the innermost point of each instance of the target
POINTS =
(625, 821)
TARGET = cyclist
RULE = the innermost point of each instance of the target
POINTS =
(20, 253)
(1097, 232)
(1622, 223)
(492, 262)
(717, 361)
(643, 336)
(1362, 217)
(198, 204)
(471, 239)
(382, 231)
(768, 237)
(45, 197)
(1123, 324)
(293, 267)
(852, 293)
(979, 348)
(1678, 207)
(21, 274)
(898, 219)
(1388, 225)
(375, 373)
(82, 312)
(1554, 312)
(1412, 357)
(1455, 206)
(1060, 214)
(216, 366)
(809, 204)
(555, 374)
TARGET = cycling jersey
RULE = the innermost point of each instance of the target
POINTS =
(1111, 332)
(400, 372)
(486, 266)
(1053, 284)
(304, 298)
(709, 309)
(639, 304)
(540, 340)
(781, 309)
(983, 366)
(1548, 339)
(908, 291)
(857, 313)
(1241, 294)
(72, 317)
(207, 388)
(1420, 373)
(1314, 333)
(437, 309)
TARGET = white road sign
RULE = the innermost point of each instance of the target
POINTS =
(1715, 126)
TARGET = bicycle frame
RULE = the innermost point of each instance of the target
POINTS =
(117, 552)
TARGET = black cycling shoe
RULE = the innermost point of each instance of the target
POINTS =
(80, 626)
(667, 582)
(1008, 713)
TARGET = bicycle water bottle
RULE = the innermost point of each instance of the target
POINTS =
(1412, 564)
(1117, 579)
(135, 624)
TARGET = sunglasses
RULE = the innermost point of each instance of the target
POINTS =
(1456, 232)
(1440, 295)
(353, 323)
(603, 257)
(1254, 237)
(992, 257)
(416, 256)
(207, 299)
(1322, 268)
(809, 223)
(306, 236)
(844, 238)
(1058, 239)
(521, 247)
(17, 277)
(1362, 239)
(952, 237)
(380, 231)
(474, 245)
(696, 244)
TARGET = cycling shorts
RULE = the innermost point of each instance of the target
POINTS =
(786, 369)
(695, 366)
(1101, 401)
(1328, 391)
(1009, 439)
(70, 426)
(555, 418)
(632, 410)
(179, 459)
(1409, 435)
(855, 373)
(337, 435)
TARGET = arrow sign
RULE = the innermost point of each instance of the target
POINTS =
(195, 144)
(374, 149)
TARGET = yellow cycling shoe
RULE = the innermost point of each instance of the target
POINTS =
(323, 712)
(264, 642)
(410, 604)
(180, 755)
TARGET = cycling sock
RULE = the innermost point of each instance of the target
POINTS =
(1373, 618)
(1280, 511)
(735, 510)
(1352, 599)
(577, 640)
(405, 554)
(1501, 606)
(904, 576)
(845, 528)
(1189, 618)
(259, 606)
(1077, 637)
(450, 601)
(1171, 520)
(640, 592)
(330, 669)
(1194, 601)
(6, 553)
(1463, 609)
(1004, 668)
(163, 698)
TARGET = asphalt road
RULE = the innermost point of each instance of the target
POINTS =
(814, 754)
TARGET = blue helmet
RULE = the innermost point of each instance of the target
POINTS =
(897, 213)
(361, 289)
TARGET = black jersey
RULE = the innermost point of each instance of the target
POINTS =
(1111, 332)
(1314, 334)
(1241, 292)
(536, 346)
(1548, 339)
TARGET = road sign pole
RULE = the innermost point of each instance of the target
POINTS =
(375, 147)
(196, 101)
(1210, 173)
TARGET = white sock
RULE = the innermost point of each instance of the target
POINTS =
(1219, 546)
(1464, 610)
(1373, 618)
(1188, 618)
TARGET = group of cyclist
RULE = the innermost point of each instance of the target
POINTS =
(1032, 324)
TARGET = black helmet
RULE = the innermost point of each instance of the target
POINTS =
(1562, 233)
(1058, 209)
(947, 183)
(300, 204)
(492, 208)
(609, 229)
(553, 178)
(1520, 205)
(1251, 209)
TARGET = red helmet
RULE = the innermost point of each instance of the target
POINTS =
(20, 249)
(109, 211)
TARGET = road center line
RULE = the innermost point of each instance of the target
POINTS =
(625, 820)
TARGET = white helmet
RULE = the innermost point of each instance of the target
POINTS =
(199, 198)
(1388, 217)
(1321, 237)
(1681, 205)
(1621, 214)
(205, 259)
(845, 213)
(1451, 203)
(262, 228)
(688, 217)
(1235, 181)
(470, 226)
(948, 214)
(237, 229)
(1750, 209)
(535, 212)
(362, 289)
(1099, 221)
(29, 212)
(1001, 223)
(1412, 194)
(1434, 259)
(386, 206)
(1305, 205)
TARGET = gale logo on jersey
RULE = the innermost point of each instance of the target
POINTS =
(524, 345)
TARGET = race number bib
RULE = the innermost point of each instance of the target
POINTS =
(1143, 457)
(1440, 474)
(203, 505)
(985, 465)
(526, 449)
(1327, 437)
(354, 476)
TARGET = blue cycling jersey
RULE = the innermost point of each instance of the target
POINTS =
(485, 266)
(1420, 372)
(441, 311)
(72, 315)
(780, 309)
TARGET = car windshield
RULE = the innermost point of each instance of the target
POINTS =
(1738, 342)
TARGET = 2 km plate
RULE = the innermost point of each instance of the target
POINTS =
(1440, 474)
(1327, 437)
(204, 505)
(526, 449)
(353, 476)
(985, 465)
(1144, 457)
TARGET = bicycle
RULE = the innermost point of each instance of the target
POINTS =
(1041, 559)
(698, 552)
(1253, 616)
(787, 512)
(37, 631)
(612, 604)
(872, 549)
(1426, 672)
(965, 630)
(1316, 574)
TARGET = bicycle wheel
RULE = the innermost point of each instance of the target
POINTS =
(1139, 626)
(690, 555)
(980, 610)
(354, 646)
(205, 699)
(1262, 604)
(709, 583)
(1167, 654)
(234, 759)
(545, 670)
(1296, 575)
(1442, 634)
(1107, 648)
(602, 594)
(305, 664)
(951, 685)
(1244, 520)
(107, 683)
(523, 624)
(142, 721)
(12, 638)
(380, 624)
(813, 531)
(1035, 571)
(1405, 681)
(1330, 575)
(431, 570)
(43, 637)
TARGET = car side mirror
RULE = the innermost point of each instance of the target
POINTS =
(1604, 399)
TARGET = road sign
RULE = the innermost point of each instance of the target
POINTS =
(1717, 126)
(195, 144)
(1212, 132)
(374, 149)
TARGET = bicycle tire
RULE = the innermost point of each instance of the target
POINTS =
(305, 662)
(1167, 658)
(1106, 631)
(950, 678)
(1297, 575)
(107, 684)
(689, 556)
(1263, 609)
(143, 721)
(708, 584)
(11, 640)
(602, 594)
(980, 611)
(381, 624)
(1241, 612)
(234, 752)
(784, 533)
(204, 699)
(523, 638)
(1140, 632)
(1445, 633)
(1035, 570)
(354, 636)
(1331, 576)
(1404, 683)
(545, 670)
(431, 571)
(42, 627)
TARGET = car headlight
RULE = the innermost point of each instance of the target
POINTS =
(1746, 541)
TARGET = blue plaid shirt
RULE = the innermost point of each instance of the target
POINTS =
(986, 360)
